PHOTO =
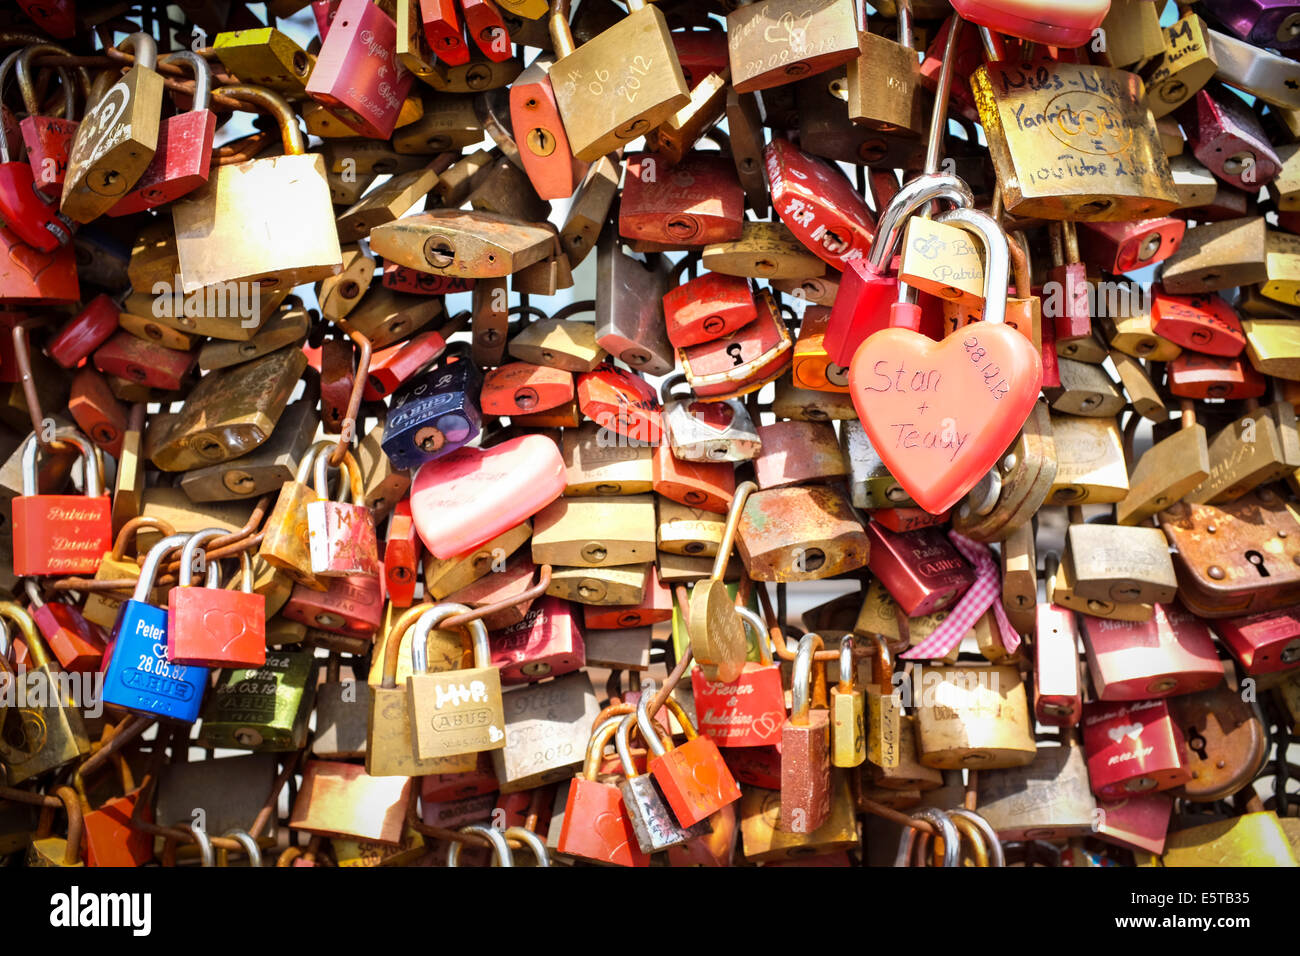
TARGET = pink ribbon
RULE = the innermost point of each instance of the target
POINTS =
(986, 591)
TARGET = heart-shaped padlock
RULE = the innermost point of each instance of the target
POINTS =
(940, 413)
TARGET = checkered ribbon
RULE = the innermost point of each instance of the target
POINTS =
(984, 592)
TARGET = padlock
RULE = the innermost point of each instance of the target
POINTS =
(629, 311)
(596, 825)
(341, 707)
(589, 210)
(45, 729)
(870, 483)
(1167, 472)
(1186, 65)
(800, 534)
(942, 260)
(693, 777)
(1091, 186)
(1133, 747)
(697, 484)
(342, 800)
(811, 366)
(137, 675)
(1060, 590)
(1218, 255)
(77, 643)
(622, 403)
(1248, 453)
(1226, 742)
(32, 215)
(605, 100)
(84, 332)
(805, 747)
(1010, 375)
(1202, 323)
(765, 838)
(884, 82)
(357, 74)
(595, 532)
(1227, 137)
(769, 41)
(749, 710)
(707, 431)
(545, 151)
(570, 346)
(1262, 643)
(1057, 698)
(652, 821)
(654, 608)
(266, 57)
(972, 717)
(1271, 347)
(520, 388)
(1090, 462)
(46, 850)
(1119, 563)
(695, 202)
(261, 198)
(262, 471)
(743, 361)
(689, 531)
(707, 307)
(211, 627)
(818, 204)
(547, 642)
(765, 250)
(435, 412)
(546, 727)
(117, 137)
(921, 570)
(458, 714)
(1170, 654)
(109, 838)
(341, 537)
(402, 551)
(596, 466)
(1244, 565)
(1085, 390)
(1192, 375)
(144, 362)
(1047, 799)
(848, 709)
(97, 412)
(60, 534)
(264, 708)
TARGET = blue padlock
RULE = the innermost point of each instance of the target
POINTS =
(435, 412)
(137, 675)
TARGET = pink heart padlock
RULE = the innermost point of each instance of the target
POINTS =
(469, 497)
(940, 413)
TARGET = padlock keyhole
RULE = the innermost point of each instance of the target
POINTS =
(1257, 559)
(1196, 743)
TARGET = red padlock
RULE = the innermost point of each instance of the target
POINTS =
(543, 144)
(546, 643)
(748, 711)
(501, 586)
(620, 401)
(352, 606)
(144, 363)
(76, 642)
(443, 31)
(392, 366)
(1225, 135)
(357, 74)
(1193, 375)
(908, 518)
(818, 204)
(84, 332)
(34, 217)
(96, 410)
(1121, 247)
(60, 534)
(743, 361)
(184, 156)
(708, 307)
(1202, 323)
(655, 607)
(701, 484)
(921, 569)
(48, 138)
(58, 18)
(596, 823)
(1264, 642)
(337, 376)
(402, 550)
(701, 52)
(1133, 660)
(1072, 313)
(341, 536)
(29, 276)
(520, 388)
(214, 627)
(698, 201)
(487, 28)
(324, 11)
(1133, 747)
(694, 778)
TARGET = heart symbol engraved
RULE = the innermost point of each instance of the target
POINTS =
(494, 733)
(1128, 730)
(940, 413)
(469, 497)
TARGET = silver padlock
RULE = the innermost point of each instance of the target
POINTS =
(630, 306)
(870, 483)
(707, 431)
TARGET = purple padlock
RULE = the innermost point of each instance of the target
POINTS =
(1266, 23)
